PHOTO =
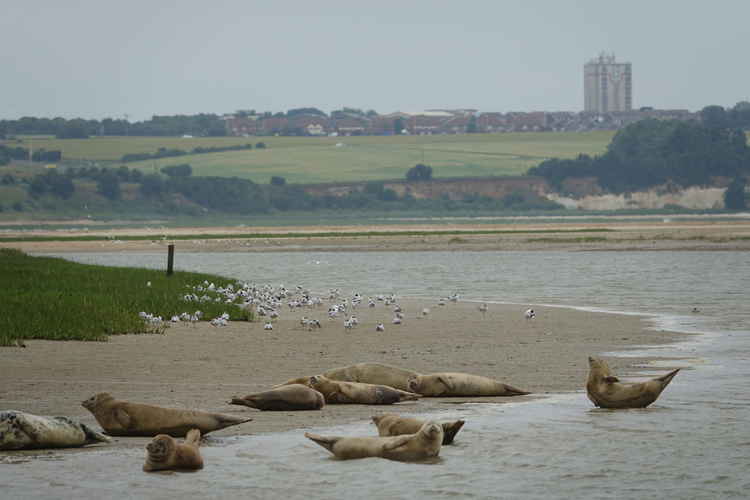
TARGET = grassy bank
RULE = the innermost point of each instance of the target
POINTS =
(53, 299)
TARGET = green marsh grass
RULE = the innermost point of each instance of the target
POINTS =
(54, 299)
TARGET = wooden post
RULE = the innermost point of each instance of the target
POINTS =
(170, 260)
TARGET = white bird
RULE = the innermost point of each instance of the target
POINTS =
(268, 326)
(148, 283)
(425, 311)
(529, 314)
(396, 320)
(483, 308)
(379, 327)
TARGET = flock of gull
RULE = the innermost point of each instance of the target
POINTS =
(268, 302)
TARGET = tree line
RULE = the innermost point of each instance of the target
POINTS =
(176, 190)
(171, 152)
(653, 152)
(7, 154)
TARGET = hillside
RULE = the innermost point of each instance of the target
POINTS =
(339, 159)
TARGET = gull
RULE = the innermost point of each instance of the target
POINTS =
(268, 326)
(425, 311)
(148, 283)
(483, 308)
(529, 314)
(396, 320)
(441, 302)
(379, 327)
(175, 319)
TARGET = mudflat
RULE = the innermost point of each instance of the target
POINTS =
(202, 367)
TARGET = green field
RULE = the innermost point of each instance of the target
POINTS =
(319, 159)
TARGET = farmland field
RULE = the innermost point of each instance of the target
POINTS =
(344, 159)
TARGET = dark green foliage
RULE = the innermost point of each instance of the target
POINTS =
(223, 193)
(42, 155)
(152, 185)
(419, 172)
(734, 196)
(181, 170)
(398, 125)
(74, 129)
(653, 152)
(108, 185)
(305, 112)
(8, 180)
(49, 298)
(52, 183)
(277, 181)
(260, 145)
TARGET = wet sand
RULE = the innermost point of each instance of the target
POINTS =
(721, 232)
(202, 367)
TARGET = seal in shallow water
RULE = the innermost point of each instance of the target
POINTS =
(460, 384)
(422, 445)
(121, 418)
(391, 424)
(165, 453)
(23, 431)
(606, 391)
(284, 398)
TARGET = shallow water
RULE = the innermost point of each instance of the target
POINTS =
(694, 442)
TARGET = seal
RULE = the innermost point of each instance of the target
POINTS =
(422, 445)
(460, 384)
(121, 418)
(367, 373)
(25, 431)
(285, 398)
(164, 453)
(606, 391)
(337, 392)
(391, 424)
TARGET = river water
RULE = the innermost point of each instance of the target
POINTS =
(694, 442)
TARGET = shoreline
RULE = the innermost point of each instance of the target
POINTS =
(202, 367)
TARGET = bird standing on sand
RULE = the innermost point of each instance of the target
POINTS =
(483, 308)
(380, 327)
(529, 314)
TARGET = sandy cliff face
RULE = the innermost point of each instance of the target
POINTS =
(694, 197)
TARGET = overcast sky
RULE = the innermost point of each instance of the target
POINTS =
(101, 58)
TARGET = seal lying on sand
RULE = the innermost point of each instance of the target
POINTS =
(391, 424)
(164, 453)
(367, 373)
(460, 384)
(606, 391)
(24, 431)
(336, 392)
(284, 398)
(422, 445)
(121, 418)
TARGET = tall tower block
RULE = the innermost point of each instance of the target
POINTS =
(607, 85)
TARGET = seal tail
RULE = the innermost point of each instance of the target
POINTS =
(512, 391)
(223, 421)
(408, 396)
(193, 437)
(450, 429)
(94, 437)
(325, 442)
(246, 401)
(666, 379)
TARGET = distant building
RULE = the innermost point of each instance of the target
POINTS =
(607, 85)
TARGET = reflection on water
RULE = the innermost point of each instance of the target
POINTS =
(692, 443)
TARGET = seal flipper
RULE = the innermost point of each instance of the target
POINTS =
(123, 418)
(397, 441)
(324, 441)
(611, 379)
(666, 379)
(94, 437)
(450, 429)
